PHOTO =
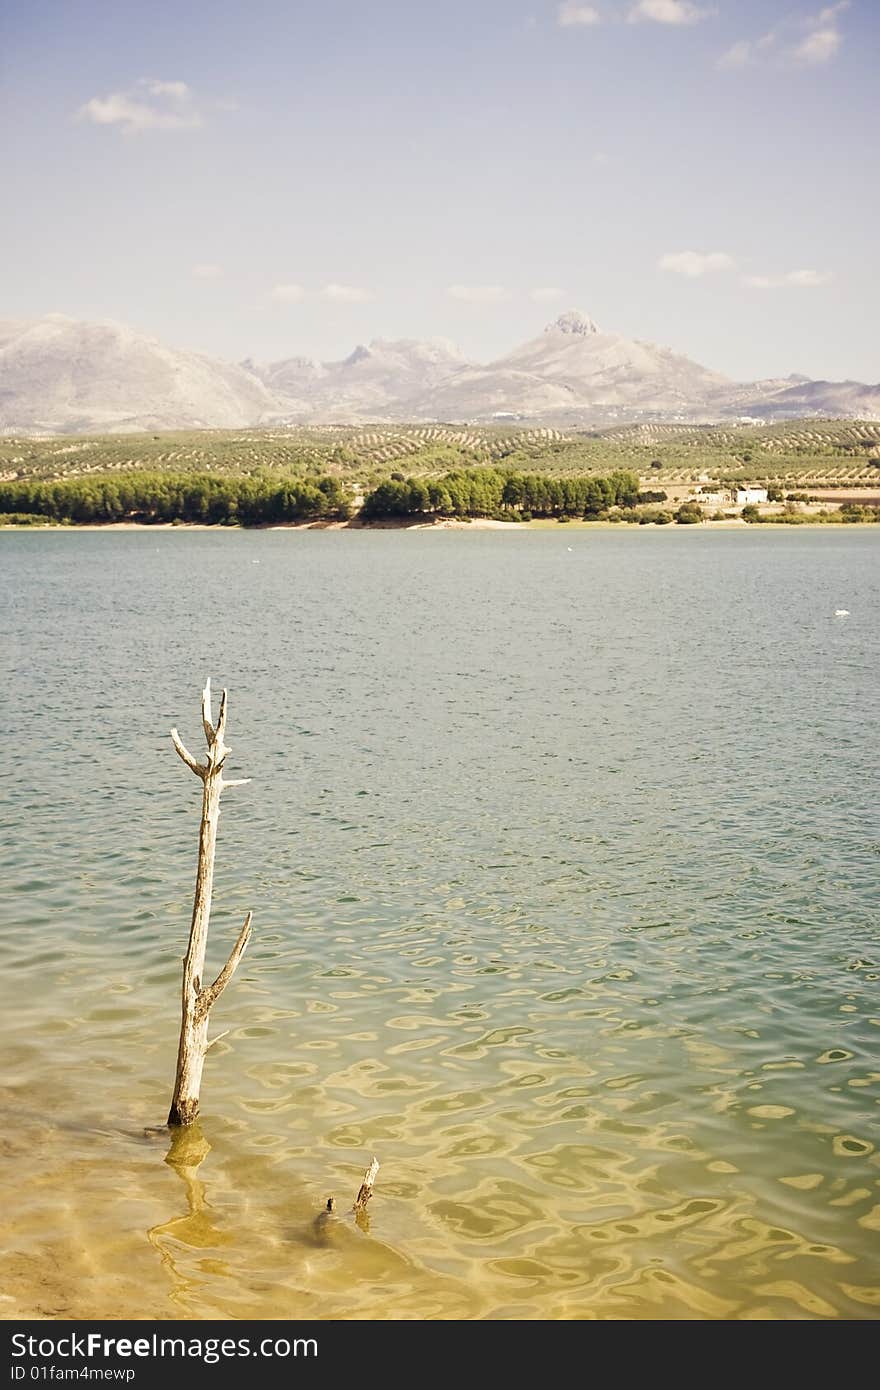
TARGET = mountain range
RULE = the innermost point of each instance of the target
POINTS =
(64, 376)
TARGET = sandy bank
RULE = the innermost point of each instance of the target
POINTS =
(456, 524)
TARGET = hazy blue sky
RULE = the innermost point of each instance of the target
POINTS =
(290, 176)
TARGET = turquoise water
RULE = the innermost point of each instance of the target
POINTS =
(562, 849)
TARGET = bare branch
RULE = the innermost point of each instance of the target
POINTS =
(198, 768)
(210, 731)
(235, 782)
(224, 1034)
(221, 719)
(211, 993)
(365, 1191)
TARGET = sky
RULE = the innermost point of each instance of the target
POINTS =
(289, 177)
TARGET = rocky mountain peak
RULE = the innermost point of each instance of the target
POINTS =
(573, 321)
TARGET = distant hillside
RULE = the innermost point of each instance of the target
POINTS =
(61, 376)
(573, 367)
(801, 398)
(368, 384)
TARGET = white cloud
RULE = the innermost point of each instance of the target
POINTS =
(571, 14)
(207, 272)
(746, 51)
(823, 38)
(478, 294)
(346, 294)
(739, 55)
(668, 12)
(337, 294)
(151, 104)
(695, 264)
(178, 91)
(545, 294)
(808, 42)
(287, 294)
(807, 279)
(818, 47)
(831, 11)
(796, 279)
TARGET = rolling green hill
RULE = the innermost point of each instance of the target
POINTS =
(808, 453)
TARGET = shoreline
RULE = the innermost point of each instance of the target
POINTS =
(453, 524)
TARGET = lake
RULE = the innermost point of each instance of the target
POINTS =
(562, 849)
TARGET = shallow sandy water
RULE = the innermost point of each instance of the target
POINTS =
(563, 864)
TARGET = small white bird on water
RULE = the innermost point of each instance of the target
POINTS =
(841, 612)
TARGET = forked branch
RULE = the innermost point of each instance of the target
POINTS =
(198, 768)
(211, 993)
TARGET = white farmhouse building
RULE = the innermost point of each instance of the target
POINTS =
(747, 495)
(713, 497)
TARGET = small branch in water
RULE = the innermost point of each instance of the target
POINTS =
(365, 1190)
(324, 1221)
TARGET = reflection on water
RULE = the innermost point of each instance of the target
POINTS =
(194, 1231)
(563, 864)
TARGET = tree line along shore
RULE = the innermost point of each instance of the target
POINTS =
(273, 499)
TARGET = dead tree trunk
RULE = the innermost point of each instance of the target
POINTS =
(197, 998)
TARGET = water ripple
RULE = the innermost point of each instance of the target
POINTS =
(564, 878)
